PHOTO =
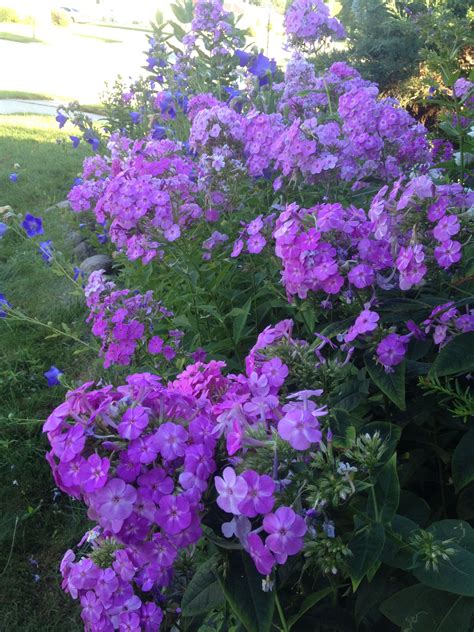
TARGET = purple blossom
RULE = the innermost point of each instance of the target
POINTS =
(286, 531)
(231, 490)
(259, 498)
(114, 503)
(52, 374)
(134, 421)
(173, 514)
(391, 350)
(260, 554)
(32, 225)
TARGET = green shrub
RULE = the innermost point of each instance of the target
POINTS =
(8, 14)
(60, 18)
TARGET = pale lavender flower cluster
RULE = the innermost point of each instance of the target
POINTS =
(308, 23)
(123, 321)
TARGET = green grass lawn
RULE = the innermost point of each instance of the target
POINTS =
(21, 39)
(36, 524)
(24, 96)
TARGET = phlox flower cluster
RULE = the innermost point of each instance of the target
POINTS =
(140, 457)
(335, 250)
(123, 321)
(444, 322)
(308, 23)
(149, 197)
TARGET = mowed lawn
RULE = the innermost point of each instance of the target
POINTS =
(36, 523)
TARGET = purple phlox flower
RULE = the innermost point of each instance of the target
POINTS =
(52, 375)
(114, 503)
(239, 527)
(173, 514)
(300, 426)
(61, 119)
(170, 440)
(286, 531)
(199, 355)
(46, 250)
(259, 498)
(232, 489)
(134, 421)
(13, 177)
(260, 554)
(391, 350)
(366, 322)
(275, 371)
(32, 225)
(94, 472)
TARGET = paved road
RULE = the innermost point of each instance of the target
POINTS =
(18, 106)
(72, 65)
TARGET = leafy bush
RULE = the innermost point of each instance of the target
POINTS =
(280, 436)
(8, 14)
(60, 18)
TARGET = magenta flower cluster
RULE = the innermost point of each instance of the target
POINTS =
(123, 321)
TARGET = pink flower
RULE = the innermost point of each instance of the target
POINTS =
(259, 498)
(286, 531)
(366, 321)
(173, 514)
(256, 243)
(134, 421)
(300, 426)
(232, 490)
(260, 554)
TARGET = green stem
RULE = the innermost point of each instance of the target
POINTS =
(374, 500)
(284, 624)
(19, 316)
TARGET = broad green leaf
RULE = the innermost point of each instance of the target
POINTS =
(392, 384)
(422, 609)
(308, 603)
(395, 552)
(463, 461)
(456, 357)
(203, 592)
(465, 504)
(413, 507)
(366, 546)
(458, 531)
(387, 493)
(242, 587)
(454, 575)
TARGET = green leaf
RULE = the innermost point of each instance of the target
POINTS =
(456, 357)
(366, 546)
(308, 603)
(395, 552)
(387, 493)
(241, 315)
(413, 507)
(422, 609)
(203, 592)
(463, 461)
(242, 587)
(392, 384)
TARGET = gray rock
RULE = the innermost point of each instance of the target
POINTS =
(96, 262)
(64, 204)
(83, 250)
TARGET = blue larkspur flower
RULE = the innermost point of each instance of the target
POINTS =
(52, 375)
(77, 273)
(136, 117)
(33, 225)
(3, 229)
(3, 305)
(159, 132)
(46, 250)
(243, 57)
(77, 181)
(13, 177)
(75, 141)
(61, 119)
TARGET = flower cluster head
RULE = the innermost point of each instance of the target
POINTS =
(147, 198)
(140, 457)
(308, 24)
(123, 321)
